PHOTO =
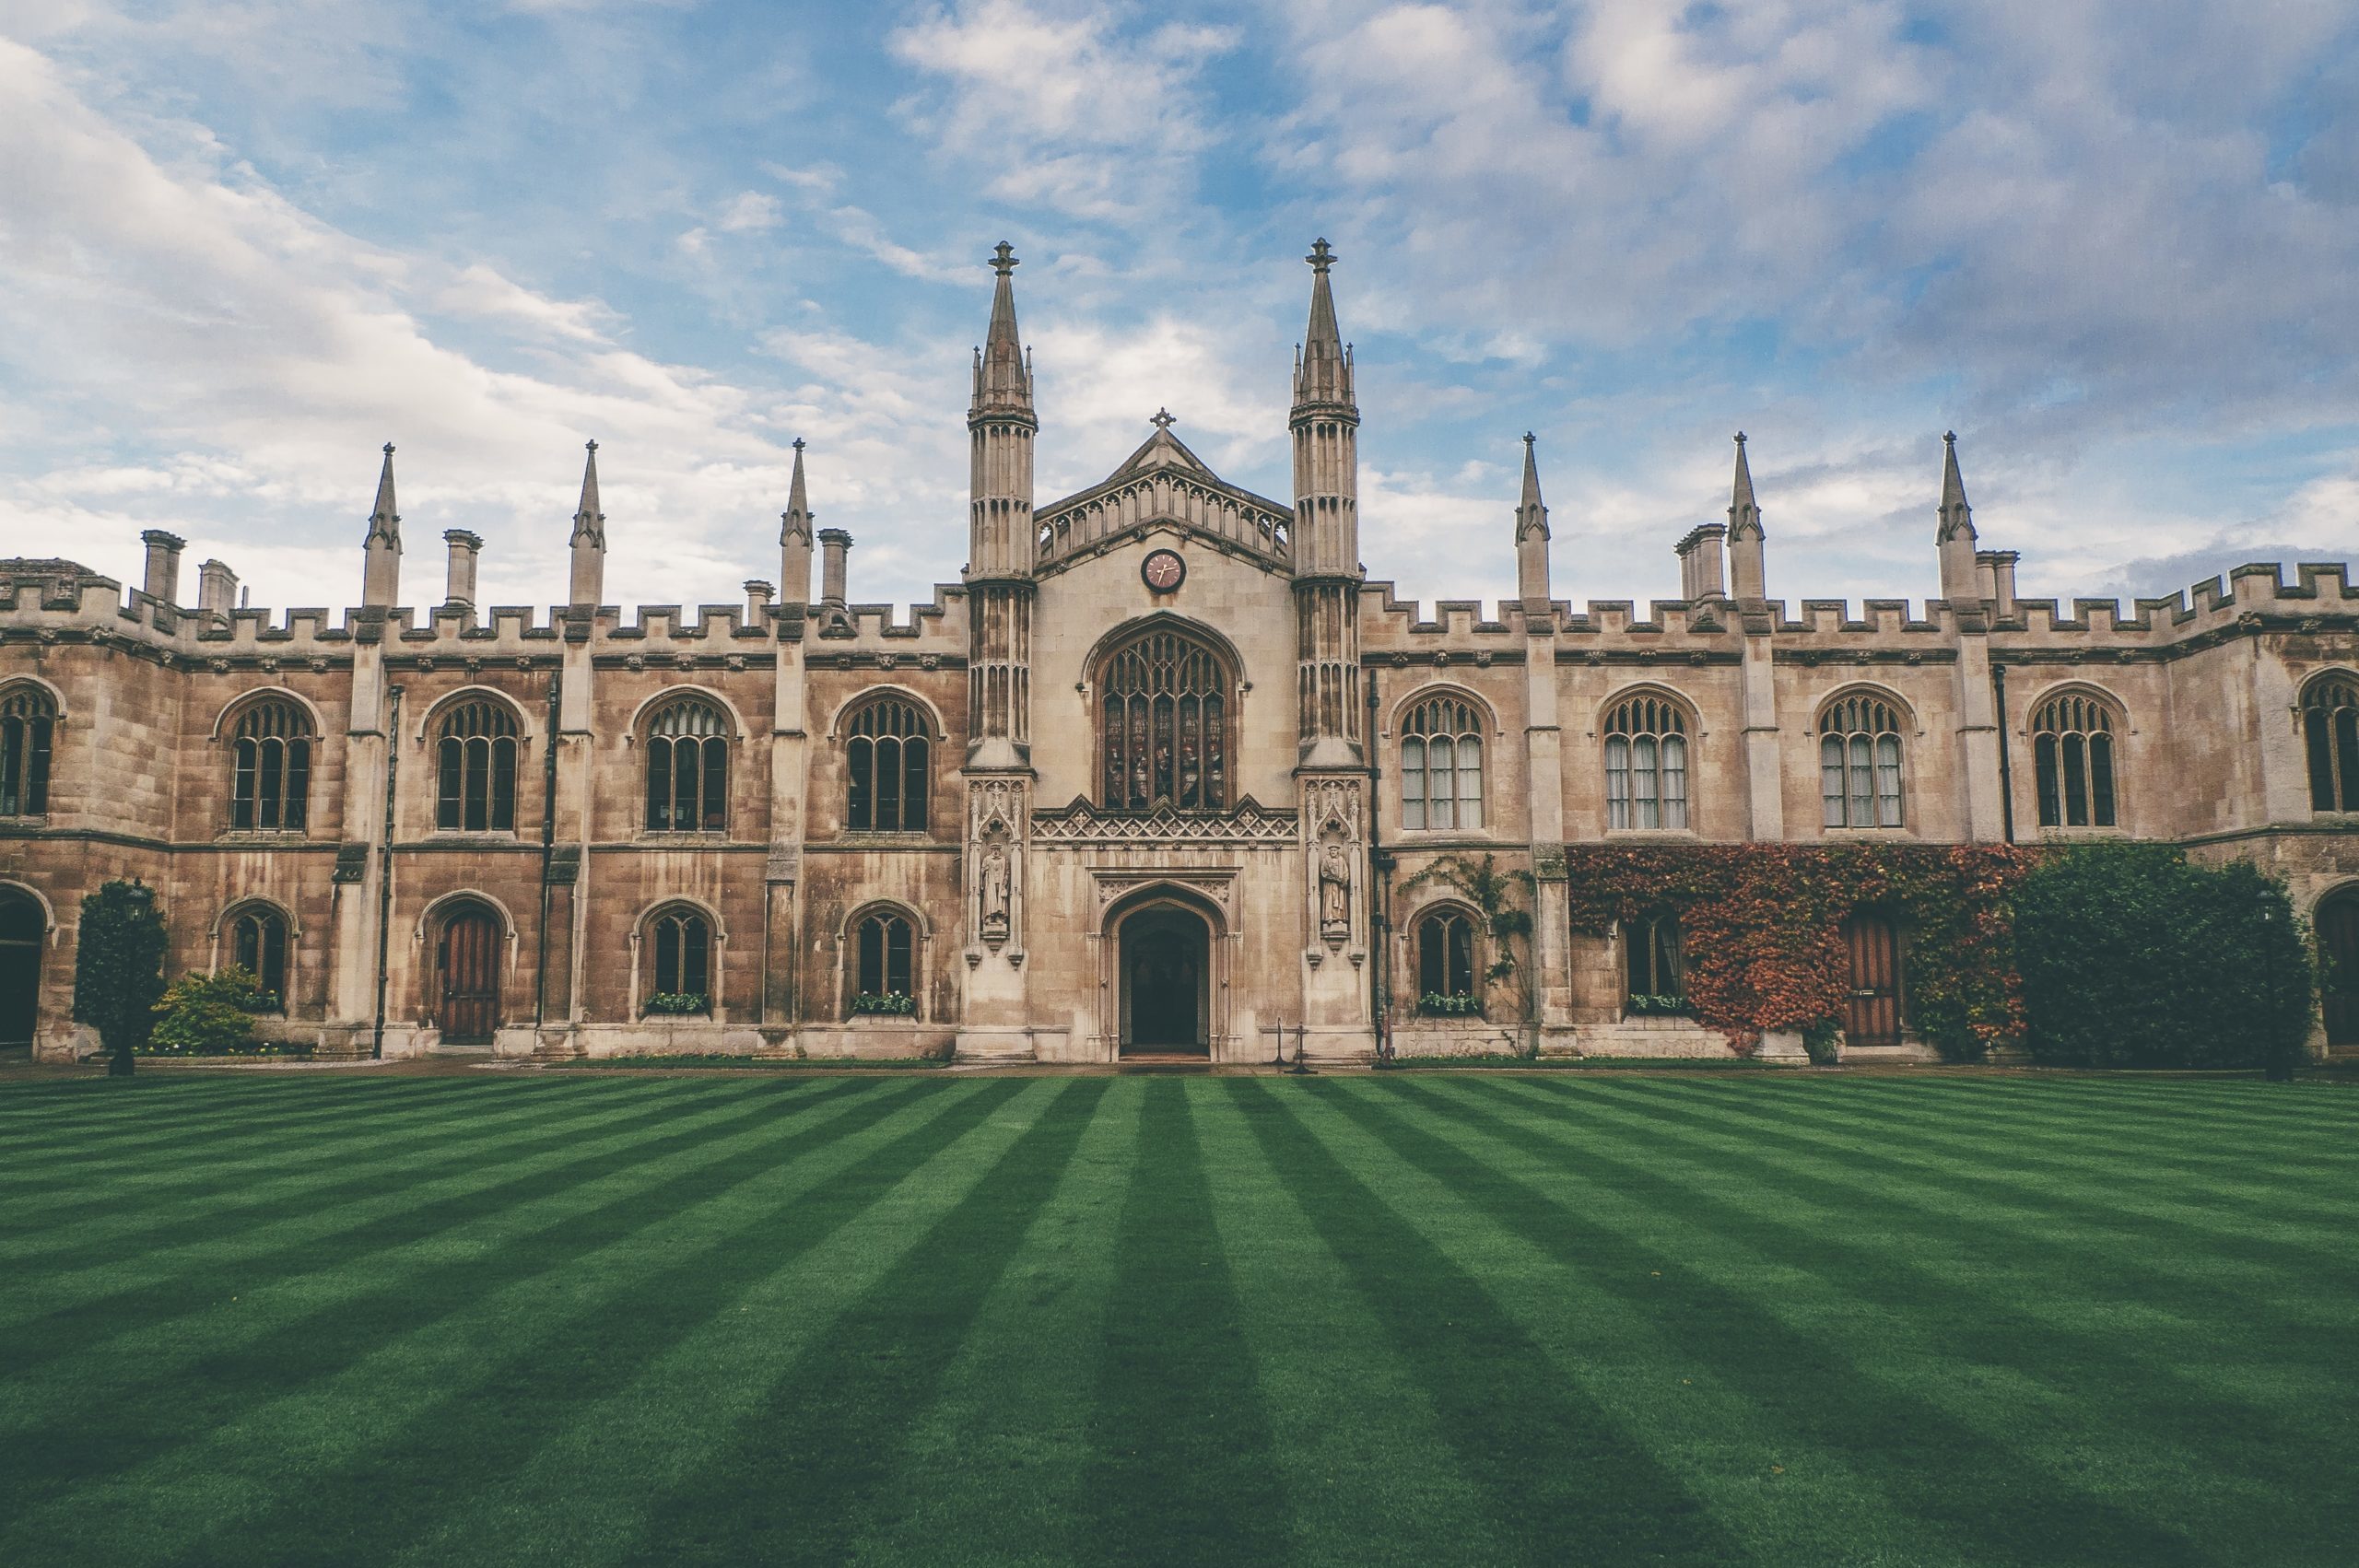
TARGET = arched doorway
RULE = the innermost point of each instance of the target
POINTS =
(1165, 973)
(22, 929)
(2338, 928)
(466, 976)
(1873, 1015)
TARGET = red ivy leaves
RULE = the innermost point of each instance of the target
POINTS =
(1763, 927)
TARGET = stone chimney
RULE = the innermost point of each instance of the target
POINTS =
(834, 545)
(217, 589)
(163, 564)
(1999, 569)
(460, 590)
(1701, 564)
(757, 601)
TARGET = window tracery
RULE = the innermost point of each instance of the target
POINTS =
(1163, 737)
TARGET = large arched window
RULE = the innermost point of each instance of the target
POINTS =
(887, 759)
(1446, 962)
(1442, 765)
(688, 767)
(2071, 748)
(1164, 725)
(270, 782)
(1859, 762)
(2331, 730)
(883, 964)
(1646, 764)
(679, 974)
(257, 944)
(478, 768)
(1653, 964)
(28, 718)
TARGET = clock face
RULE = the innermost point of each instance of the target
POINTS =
(1163, 571)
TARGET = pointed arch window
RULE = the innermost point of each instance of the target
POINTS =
(883, 964)
(2071, 747)
(679, 942)
(476, 756)
(28, 720)
(258, 945)
(2331, 734)
(1446, 961)
(688, 767)
(1163, 737)
(1646, 764)
(1442, 765)
(270, 784)
(1859, 763)
(889, 760)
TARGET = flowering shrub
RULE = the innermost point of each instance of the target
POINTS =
(678, 1001)
(1442, 1006)
(1761, 929)
(884, 1002)
(211, 1015)
(1656, 1006)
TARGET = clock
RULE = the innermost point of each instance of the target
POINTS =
(1163, 571)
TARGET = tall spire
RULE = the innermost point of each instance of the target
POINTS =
(1324, 374)
(589, 574)
(380, 574)
(1740, 501)
(1747, 568)
(795, 538)
(1960, 577)
(1002, 381)
(1528, 513)
(1954, 514)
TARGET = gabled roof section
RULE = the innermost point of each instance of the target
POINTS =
(1162, 482)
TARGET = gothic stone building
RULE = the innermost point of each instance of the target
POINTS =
(1156, 776)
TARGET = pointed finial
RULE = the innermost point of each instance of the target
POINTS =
(798, 443)
(1528, 438)
(1004, 259)
(389, 449)
(1740, 437)
(591, 444)
(1162, 420)
(1949, 438)
(1321, 257)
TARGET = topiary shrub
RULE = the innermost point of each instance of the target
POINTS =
(119, 968)
(209, 1015)
(2133, 956)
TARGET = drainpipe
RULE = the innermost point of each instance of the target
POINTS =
(385, 866)
(549, 855)
(2006, 771)
(1379, 900)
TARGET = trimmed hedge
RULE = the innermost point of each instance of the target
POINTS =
(2133, 956)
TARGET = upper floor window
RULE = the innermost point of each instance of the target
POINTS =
(888, 759)
(1646, 764)
(2330, 729)
(1442, 765)
(476, 761)
(1446, 957)
(688, 767)
(2071, 750)
(258, 945)
(681, 977)
(883, 979)
(1164, 725)
(270, 784)
(28, 718)
(1859, 762)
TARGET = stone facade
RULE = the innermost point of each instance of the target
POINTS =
(528, 833)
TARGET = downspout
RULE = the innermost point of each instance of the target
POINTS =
(385, 866)
(2006, 770)
(549, 855)
(1379, 913)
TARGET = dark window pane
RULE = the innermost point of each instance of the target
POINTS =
(716, 785)
(298, 783)
(2076, 782)
(914, 783)
(2321, 749)
(452, 772)
(503, 785)
(2346, 758)
(2101, 778)
(245, 786)
(860, 808)
(897, 956)
(887, 772)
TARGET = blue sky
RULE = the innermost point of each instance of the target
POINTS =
(2113, 245)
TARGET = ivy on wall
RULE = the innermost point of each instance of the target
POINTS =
(1761, 925)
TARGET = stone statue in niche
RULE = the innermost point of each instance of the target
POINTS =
(1334, 892)
(996, 880)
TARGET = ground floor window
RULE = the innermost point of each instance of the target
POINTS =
(682, 977)
(1652, 961)
(1446, 962)
(258, 945)
(886, 950)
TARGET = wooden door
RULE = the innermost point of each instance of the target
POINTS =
(467, 966)
(1872, 1017)
(2338, 922)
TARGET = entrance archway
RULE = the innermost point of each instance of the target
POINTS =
(2337, 923)
(23, 929)
(466, 976)
(1163, 969)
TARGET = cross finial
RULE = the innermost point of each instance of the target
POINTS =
(1004, 259)
(798, 443)
(591, 444)
(1740, 437)
(1527, 438)
(1162, 420)
(1949, 438)
(389, 449)
(1320, 257)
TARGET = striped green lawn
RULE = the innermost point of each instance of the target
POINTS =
(1464, 1319)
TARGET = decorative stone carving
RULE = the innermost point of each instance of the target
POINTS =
(1250, 823)
(995, 820)
(1215, 883)
(1334, 891)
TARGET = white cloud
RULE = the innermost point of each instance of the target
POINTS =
(749, 212)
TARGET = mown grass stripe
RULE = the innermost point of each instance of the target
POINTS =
(1182, 1469)
(1838, 1306)
(1345, 1474)
(1563, 1479)
(434, 1393)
